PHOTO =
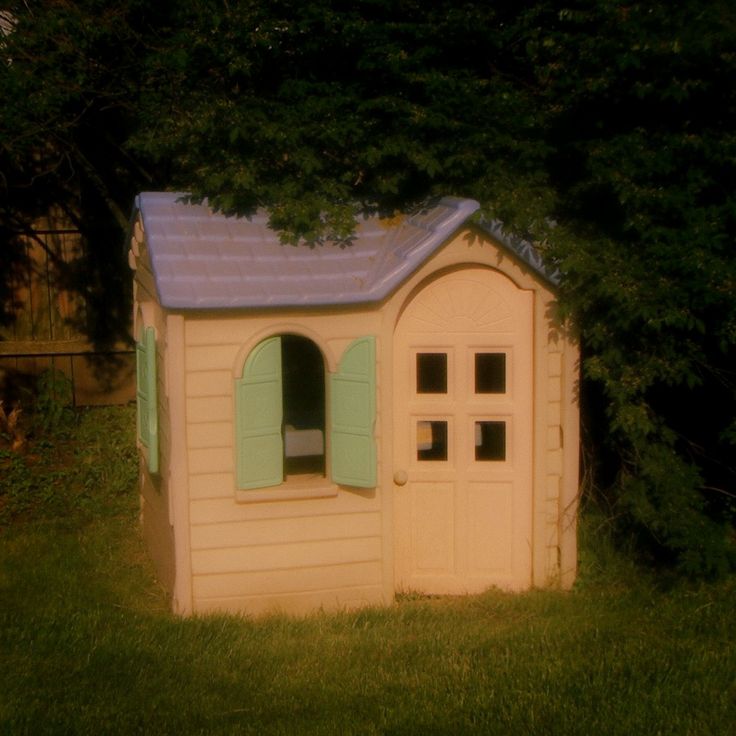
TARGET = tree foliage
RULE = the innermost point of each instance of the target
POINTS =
(644, 168)
(321, 110)
(604, 130)
(69, 79)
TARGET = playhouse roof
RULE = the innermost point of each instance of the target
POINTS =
(206, 260)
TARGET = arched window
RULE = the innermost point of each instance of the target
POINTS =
(284, 430)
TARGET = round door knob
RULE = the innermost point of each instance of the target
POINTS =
(400, 477)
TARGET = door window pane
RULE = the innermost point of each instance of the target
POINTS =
(490, 440)
(431, 440)
(431, 373)
(490, 373)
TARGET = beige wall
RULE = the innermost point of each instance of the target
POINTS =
(293, 546)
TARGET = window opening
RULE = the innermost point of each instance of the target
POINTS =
(490, 441)
(431, 373)
(490, 373)
(303, 386)
(432, 440)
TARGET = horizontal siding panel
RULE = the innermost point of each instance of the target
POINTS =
(296, 603)
(164, 435)
(210, 434)
(554, 413)
(214, 332)
(211, 460)
(209, 511)
(554, 390)
(554, 462)
(211, 358)
(285, 556)
(160, 545)
(163, 408)
(146, 282)
(211, 485)
(213, 409)
(554, 364)
(154, 497)
(209, 383)
(274, 531)
(286, 581)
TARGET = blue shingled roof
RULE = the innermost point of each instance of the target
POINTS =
(206, 260)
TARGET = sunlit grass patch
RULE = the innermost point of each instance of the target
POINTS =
(88, 645)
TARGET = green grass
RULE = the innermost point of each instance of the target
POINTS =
(87, 645)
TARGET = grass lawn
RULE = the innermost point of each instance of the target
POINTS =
(87, 645)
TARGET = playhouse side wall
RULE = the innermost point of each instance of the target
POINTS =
(293, 554)
(570, 491)
(155, 489)
(557, 449)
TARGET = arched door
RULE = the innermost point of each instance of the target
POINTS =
(463, 435)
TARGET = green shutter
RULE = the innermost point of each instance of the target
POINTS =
(141, 392)
(146, 395)
(258, 416)
(353, 414)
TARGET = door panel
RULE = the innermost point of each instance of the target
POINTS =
(433, 528)
(463, 435)
(490, 521)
